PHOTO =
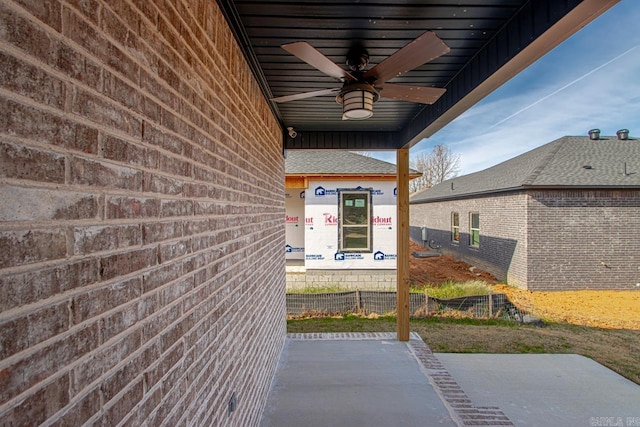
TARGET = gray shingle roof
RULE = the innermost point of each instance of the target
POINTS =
(329, 162)
(571, 161)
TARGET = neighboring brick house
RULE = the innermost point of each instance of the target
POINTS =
(341, 220)
(142, 280)
(563, 216)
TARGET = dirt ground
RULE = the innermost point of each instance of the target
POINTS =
(600, 309)
(436, 270)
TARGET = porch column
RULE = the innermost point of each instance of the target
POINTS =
(402, 260)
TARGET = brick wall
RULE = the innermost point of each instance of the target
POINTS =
(384, 280)
(503, 233)
(584, 239)
(142, 274)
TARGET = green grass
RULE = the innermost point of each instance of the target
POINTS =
(443, 291)
(319, 290)
(456, 290)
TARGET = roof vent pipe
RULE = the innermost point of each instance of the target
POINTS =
(594, 134)
(623, 134)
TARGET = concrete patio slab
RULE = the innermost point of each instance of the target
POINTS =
(364, 380)
(371, 379)
(547, 389)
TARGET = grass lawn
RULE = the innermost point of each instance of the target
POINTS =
(619, 350)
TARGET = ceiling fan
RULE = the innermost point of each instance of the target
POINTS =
(362, 88)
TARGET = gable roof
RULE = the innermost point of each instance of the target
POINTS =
(336, 162)
(568, 162)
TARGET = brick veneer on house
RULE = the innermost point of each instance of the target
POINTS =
(545, 239)
(142, 274)
(500, 254)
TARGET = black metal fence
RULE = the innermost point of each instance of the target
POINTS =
(420, 305)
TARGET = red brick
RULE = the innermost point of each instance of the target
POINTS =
(31, 204)
(156, 324)
(120, 207)
(175, 290)
(90, 9)
(102, 238)
(100, 300)
(120, 320)
(171, 142)
(26, 372)
(17, 289)
(158, 370)
(151, 110)
(28, 122)
(94, 173)
(106, 113)
(36, 408)
(82, 408)
(159, 231)
(196, 190)
(27, 80)
(153, 183)
(196, 227)
(32, 329)
(47, 12)
(127, 262)
(34, 164)
(83, 33)
(120, 91)
(128, 152)
(172, 250)
(174, 166)
(160, 276)
(26, 247)
(150, 401)
(119, 408)
(24, 34)
(180, 207)
(103, 359)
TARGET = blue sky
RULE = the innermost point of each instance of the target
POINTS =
(591, 80)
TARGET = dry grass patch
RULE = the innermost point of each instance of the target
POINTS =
(600, 309)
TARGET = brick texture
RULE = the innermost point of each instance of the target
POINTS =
(142, 276)
(584, 239)
(545, 240)
(503, 233)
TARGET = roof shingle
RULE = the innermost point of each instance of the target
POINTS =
(335, 162)
(571, 161)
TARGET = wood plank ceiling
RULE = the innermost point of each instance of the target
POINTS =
(484, 37)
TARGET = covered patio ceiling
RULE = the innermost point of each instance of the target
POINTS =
(490, 42)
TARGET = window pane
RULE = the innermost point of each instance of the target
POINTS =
(455, 226)
(355, 237)
(475, 220)
(475, 238)
(354, 209)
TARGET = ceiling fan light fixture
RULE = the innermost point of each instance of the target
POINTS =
(357, 101)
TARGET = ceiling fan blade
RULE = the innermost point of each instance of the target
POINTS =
(305, 95)
(313, 57)
(425, 48)
(421, 94)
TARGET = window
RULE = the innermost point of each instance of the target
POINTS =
(474, 229)
(455, 227)
(354, 220)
